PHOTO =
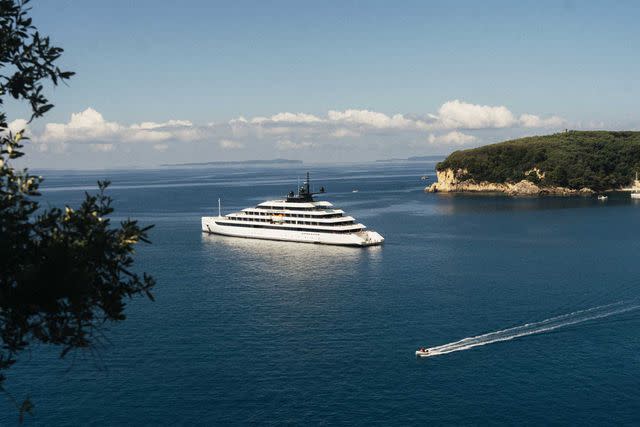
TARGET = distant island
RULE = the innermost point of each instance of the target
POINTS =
(570, 162)
(240, 162)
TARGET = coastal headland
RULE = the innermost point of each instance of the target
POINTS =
(566, 163)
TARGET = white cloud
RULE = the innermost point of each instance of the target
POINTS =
(161, 147)
(462, 115)
(533, 121)
(90, 126)
(240, 121)
(228, 144)
(457, 114)
(255, 121)
(451, 138)
(352, 117)
(375, 119)
(285, 117)
(170, 123)
(17, 125)
(86, 125)
(295, 118)
(145, 135)
(452, 115)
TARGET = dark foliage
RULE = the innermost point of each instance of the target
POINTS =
(65, 273)
(600, 160)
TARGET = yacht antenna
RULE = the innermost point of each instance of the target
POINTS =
(219, 208)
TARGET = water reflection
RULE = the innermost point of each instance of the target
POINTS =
(291, 260)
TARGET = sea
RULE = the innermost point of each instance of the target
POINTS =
(531, 308)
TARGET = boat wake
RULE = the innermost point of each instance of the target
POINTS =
(535, 328)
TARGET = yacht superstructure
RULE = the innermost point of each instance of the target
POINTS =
(298, 218)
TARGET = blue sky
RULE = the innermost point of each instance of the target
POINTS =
(192, 68)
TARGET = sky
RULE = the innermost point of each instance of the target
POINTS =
(337, 81)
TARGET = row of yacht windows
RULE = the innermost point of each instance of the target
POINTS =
(338, 215)
(296, 208)
(347, 222)
(322, 230)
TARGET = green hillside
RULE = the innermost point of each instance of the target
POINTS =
(599, 160)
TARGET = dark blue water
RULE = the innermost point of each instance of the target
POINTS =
(249, 331)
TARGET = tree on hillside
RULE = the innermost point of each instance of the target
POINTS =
(66, 272)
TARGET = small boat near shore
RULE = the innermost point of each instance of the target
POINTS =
(636, 189)
(603, 198)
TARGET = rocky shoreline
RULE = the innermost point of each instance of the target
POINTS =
(450, 181)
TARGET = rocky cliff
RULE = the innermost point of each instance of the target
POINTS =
(452, 181)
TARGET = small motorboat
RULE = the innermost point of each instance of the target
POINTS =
(636, 188)
(422, 352)
(424, 177)
(355, 190)
(603, 198)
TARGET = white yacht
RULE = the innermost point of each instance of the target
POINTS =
(298, 218)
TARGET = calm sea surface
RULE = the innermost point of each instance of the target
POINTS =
(246, 331)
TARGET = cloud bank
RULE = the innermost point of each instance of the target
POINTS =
(455, 124)
(90, 126)
(452, 138)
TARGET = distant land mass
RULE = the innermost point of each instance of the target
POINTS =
(571, 162)
(240, 162)
(414, 159)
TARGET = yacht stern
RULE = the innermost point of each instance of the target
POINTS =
(370, 238)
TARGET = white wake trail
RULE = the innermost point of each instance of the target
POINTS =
(536, 327)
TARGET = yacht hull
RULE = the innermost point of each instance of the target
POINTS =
(360, 238)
